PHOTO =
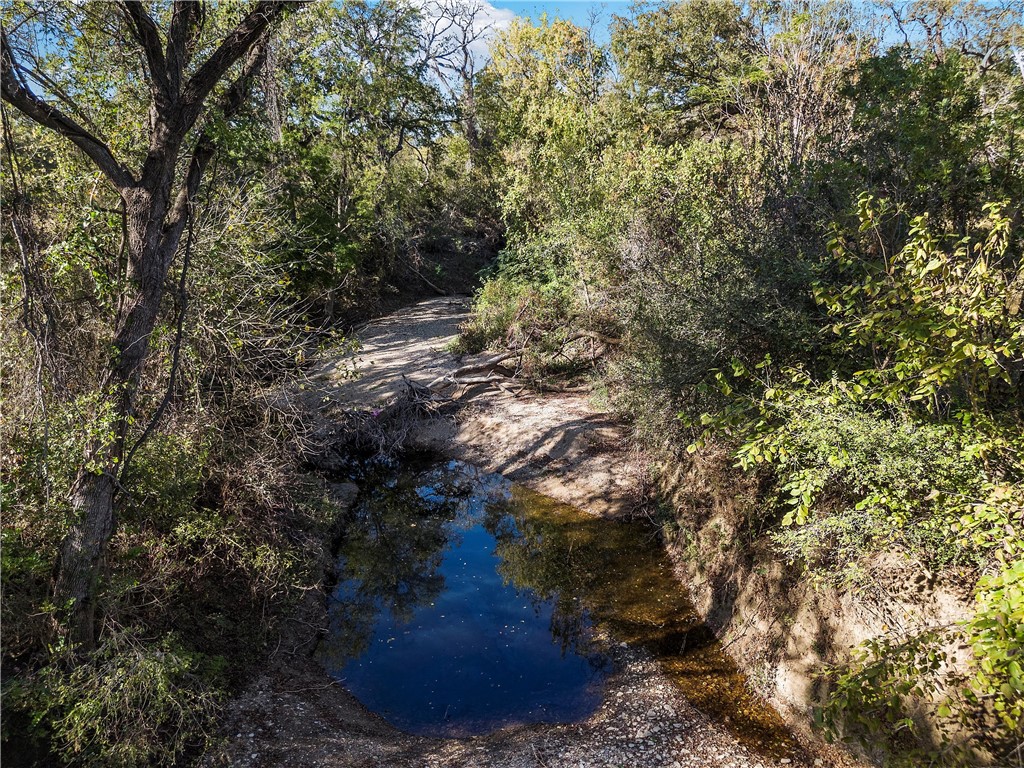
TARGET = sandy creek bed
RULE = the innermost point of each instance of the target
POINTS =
(294, 714)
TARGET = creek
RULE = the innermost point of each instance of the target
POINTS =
(466, 603)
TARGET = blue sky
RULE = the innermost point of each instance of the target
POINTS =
(576, 11)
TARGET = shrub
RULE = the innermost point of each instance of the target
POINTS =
(939, 313)
(880, 695)
(496, 309)
(708, 275)
(135, 702)
(853, 478)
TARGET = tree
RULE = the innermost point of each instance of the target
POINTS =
(541, 92)
(157, 187)
(361, 115)
(681, 65)
(451, 42)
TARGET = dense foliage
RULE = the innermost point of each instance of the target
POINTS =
(804, 224)
(343, 183)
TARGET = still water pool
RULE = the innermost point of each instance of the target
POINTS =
(428, 627)
(465, 603)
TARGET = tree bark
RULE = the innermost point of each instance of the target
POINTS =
(81, 554)
(154, 222)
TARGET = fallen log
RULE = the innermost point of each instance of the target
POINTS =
(489, 367)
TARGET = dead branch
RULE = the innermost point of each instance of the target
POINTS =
(490, 367)
(481, 380)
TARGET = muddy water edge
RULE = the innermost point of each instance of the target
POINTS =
(612, 578)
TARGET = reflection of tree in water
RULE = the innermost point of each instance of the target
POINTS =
(614, 573)
(619, 575)
(538, 559)
(614, 576)
(618, 572)
(389, 558)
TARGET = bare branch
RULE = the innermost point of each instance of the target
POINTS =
(146, 34)
(16, 91)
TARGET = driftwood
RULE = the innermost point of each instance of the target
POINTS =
(549, 386)
(421, 394)
(489, 371)
(493, 371)
(492, 379)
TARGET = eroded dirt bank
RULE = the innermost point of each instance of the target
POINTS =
(559, 445)
(786, 629)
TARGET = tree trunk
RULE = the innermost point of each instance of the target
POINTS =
(155, 219)
(80, 563)
(81, 554)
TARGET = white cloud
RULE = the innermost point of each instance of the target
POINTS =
(488, 21)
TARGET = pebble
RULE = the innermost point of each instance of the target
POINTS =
(644, 723)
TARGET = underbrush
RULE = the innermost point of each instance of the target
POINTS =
(853, 479)
(893, 430)
(851, 482)
(918, 454)
(217, 540)
(915, 698)
(551, 327)
(139, 700)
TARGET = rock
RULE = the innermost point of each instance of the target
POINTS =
(342, 494)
